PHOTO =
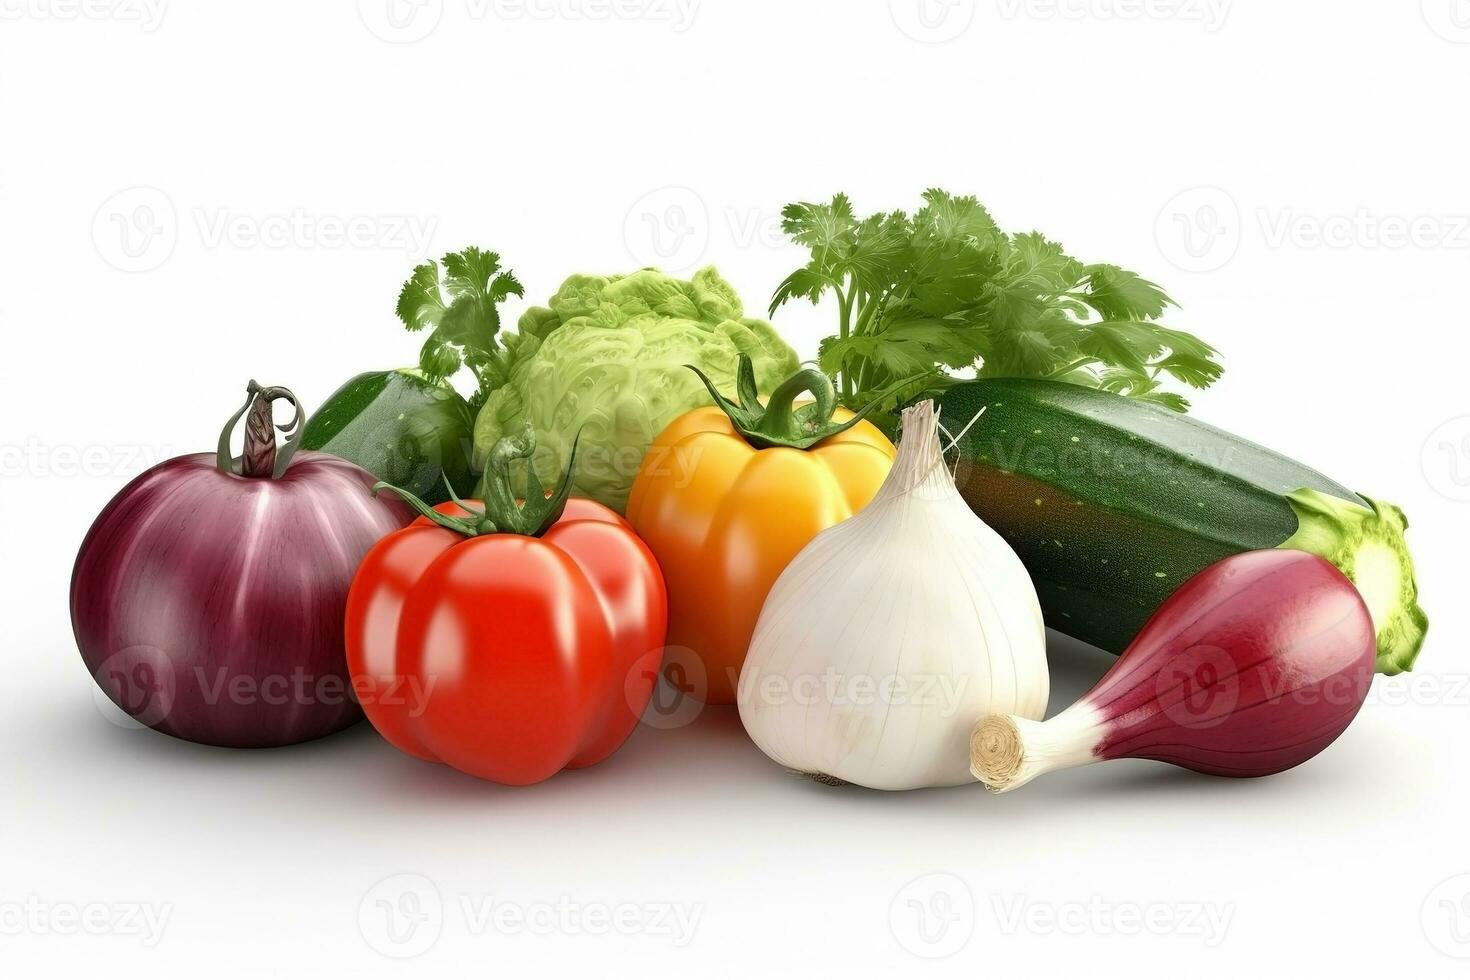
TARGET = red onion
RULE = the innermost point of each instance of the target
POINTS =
(1254, 666)
(208, 598)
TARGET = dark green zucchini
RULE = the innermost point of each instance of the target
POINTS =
(1112, 503)
(403, 429)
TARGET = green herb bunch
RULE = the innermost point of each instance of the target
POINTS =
(945, 289)
(462, 306)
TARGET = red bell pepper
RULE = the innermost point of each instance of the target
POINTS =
(508, 640)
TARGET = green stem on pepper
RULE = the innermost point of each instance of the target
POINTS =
(780, 422)
(502, 512)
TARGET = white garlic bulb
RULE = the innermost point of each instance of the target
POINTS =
(890, 634)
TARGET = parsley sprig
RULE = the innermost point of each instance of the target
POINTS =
(461, 304)
(947, 290)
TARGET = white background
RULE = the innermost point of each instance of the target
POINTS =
(170, 182)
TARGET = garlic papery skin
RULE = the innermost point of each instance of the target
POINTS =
(890, 634)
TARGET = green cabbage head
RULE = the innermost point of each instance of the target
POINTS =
(607, 358)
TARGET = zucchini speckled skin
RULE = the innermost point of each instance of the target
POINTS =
(1113, 503)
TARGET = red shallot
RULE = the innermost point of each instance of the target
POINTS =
(1252, 667)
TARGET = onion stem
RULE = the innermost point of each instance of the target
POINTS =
(1007, 751)
(259, 458)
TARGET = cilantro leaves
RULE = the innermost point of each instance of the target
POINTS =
(466, 323)
(946, 290)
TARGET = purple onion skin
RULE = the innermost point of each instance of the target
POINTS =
(1254, 666)
(210, 606)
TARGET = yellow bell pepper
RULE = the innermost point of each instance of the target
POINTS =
(726, 497)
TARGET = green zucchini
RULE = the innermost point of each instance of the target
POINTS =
(403, 429)
(1112, 503)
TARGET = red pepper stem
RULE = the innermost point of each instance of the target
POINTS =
(502, 512)
(468, 527)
